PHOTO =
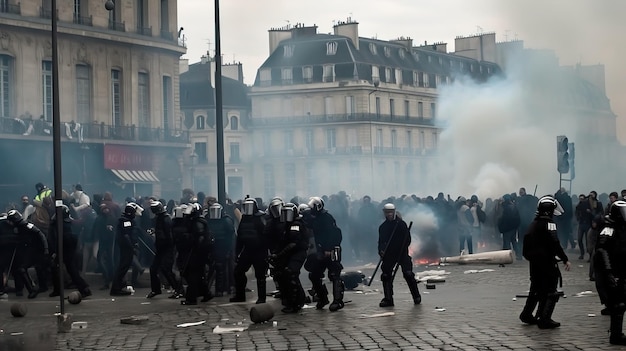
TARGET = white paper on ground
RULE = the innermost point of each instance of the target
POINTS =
(192, 324)
(584, 293)
(385, 314)
(221, 330)
(477, 271)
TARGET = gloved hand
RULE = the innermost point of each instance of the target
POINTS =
(611, 280)
(271, 259)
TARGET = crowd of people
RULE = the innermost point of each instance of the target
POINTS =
(199, 248)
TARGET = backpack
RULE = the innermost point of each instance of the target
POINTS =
(482, 216)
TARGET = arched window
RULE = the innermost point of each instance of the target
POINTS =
(200, 122)
(234, 123)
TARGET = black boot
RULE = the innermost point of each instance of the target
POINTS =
(261, 287)
(240, 290)
(527, 313)
(28, 283)
(412, 283)
(338, 289)
(321, 293)
(544, 320)
(387, 301)
(617, 336)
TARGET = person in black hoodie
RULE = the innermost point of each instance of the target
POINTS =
(508, 224)
(164, 256)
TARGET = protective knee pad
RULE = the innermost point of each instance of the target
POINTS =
(385, 277)
(408, 275)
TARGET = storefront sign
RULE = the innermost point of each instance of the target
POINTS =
(128, 157)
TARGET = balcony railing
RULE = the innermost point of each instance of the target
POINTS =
(350, 151)
(167, 35)
(46, 13)
(10, 8)
(118, 26)
(339, 118)
(97, 131)
(144, 31)
(82, 20)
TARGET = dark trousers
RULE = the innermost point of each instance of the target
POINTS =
(509, 241)
(69, 249)
(162, 263)
(245, 261)
(388, 265)
(126, 259)
(193, 274)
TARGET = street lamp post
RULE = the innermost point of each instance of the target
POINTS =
(194, 161)
(219, 122)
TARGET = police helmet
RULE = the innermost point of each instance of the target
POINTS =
(389, 208)
(549, 206)
(193, 210)
(249, 206)
(179, 211)
(157, 207)
(617, 212)
(132, 209)
(316, 204)
(14, 216)
(275, 207)
(289, 212)
(215, 211)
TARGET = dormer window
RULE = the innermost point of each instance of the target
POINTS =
(416, 56)
(441, 61)
(331, 48)
(373, 49)
(387, 51)
(288, 50)
(430, 59)
(401, 53)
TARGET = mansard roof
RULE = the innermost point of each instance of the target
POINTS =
(196, 91)
(312, 51)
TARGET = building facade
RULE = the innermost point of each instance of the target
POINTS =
(119, 83)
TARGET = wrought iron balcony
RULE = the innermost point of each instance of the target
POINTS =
(10, 8)
(91, 131)
(82, 20)
(339, 118)
(144, 31)
(118, 26)
(167, 35)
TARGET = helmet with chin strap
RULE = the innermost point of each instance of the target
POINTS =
(389, 209)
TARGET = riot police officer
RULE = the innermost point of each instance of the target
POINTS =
(198, 255)
(223, 230)
(327, 256)
(164, 256)
(32, 251)
(541, 245)
(8, 250)
(394, 239)
(274, 229)
(289, 258)
(183, 244)
(610, 265)
(251, 250)
(70, 242)
(127, 232)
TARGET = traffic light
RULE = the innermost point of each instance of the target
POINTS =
(572, 154)
(562, 154)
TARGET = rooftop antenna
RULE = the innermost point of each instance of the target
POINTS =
(506, 34)
(288, 24)
(479, 29)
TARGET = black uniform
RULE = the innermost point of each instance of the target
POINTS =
(541, 245)
(223, 231)
(287, 263)
(326, 256)
(70, 243)
(104, 231)
(610, 265)
(394, 239)
(8, 251)
(32, 251)
(251, 249)
(126, 236)
(164, 255)
(198, 253)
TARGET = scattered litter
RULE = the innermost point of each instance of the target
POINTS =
(384, 314)
(439, 309)
(79, 325)
(307, 306)
(222, 330)
(591, 315)
(431, 286)
(580, 266)
(438, 280)
(191, 324)
(515, 299)
(145, 303)
(1, 331)
(584, 293)
(225, 319)
(425, 292)
(18, 333)
(274, 324)
(113, 300)
(358, 292)
(471, 271)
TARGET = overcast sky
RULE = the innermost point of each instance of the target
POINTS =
(580, 31)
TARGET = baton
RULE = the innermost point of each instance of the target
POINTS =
(395, 270)
(11, 264)
(146, 245)
(380, 261)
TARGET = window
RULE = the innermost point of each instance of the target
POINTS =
(83, 94)
(433, 110)
(6, 86)
(407, 112)
(426, 83)
(420, 79)
(350, 106)
(200, 121)
(234, 153)
(377, 107)
(307, 105)
(441, 61)
(167, 101)
(265, 76)
(331, 139)
(289, 140)
(46, 69)
(471, 67)
(394, 139)
(430, 59)
(392, 108)
(387, 51)
(234, 123)
(375, 74)
(435, 140)
(329, 73)
(329, 108)
(116, 97)
(388, 76)
(416, 78)
(290, 180)
(143, 100)
(308, 140)
(416, 56)
(200, 150)
(288, 50)
(165, 18)
(401, 53)
(142, 16)
(420, 109)
(268, 181)
(331, 48)
(379, 138)
(307, 74)
(409, 140)
(422, 141)
(399, 76)
(287, 75)
(373, 49)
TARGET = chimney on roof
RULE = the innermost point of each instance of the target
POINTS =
(349, 29)
(277, 35)
(407, 42)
